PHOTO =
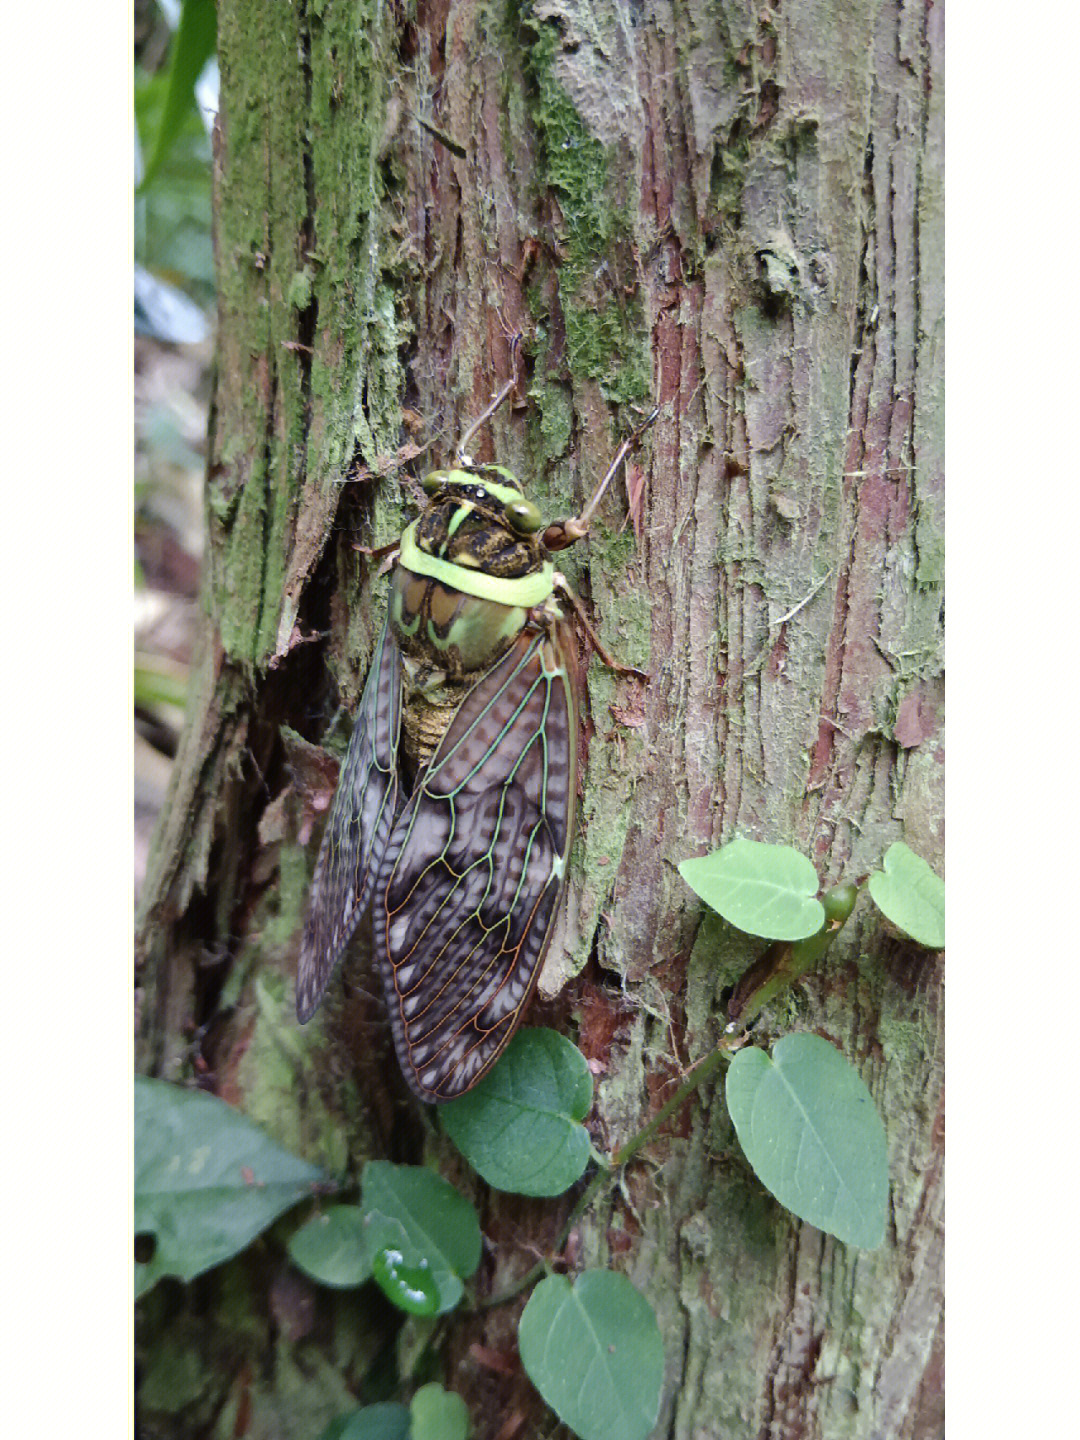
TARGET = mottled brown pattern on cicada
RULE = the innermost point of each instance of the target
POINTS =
(445, 630)
(474, 867)
(480, 541)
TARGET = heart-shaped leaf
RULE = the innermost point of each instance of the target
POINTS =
(419, 1232)
(908, 893)
(207, 1180)
(767, 890)
(330, 1248)
(809, 1128)
(594, 1352)
(438, 1414)
(384, 1421)
(520, 1127)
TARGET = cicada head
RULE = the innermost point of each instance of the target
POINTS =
(490, 490)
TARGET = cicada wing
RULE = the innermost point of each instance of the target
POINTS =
(474, 868)
(360, 821)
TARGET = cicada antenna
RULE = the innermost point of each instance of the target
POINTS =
(565, 532)
(485, 415)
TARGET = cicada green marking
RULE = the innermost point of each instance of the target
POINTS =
(454, 810)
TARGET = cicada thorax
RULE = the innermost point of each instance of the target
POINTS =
(466, 585)
(448, 640)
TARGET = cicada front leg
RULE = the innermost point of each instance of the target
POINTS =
(563, 588)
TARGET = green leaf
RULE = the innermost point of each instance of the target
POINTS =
(520, 1127)
(410, 1287)
(595, 1354)
(908, 893)
(173, 217)
(192, 46)
(810, 1130)
(438, 1414)
(766, 890)
(159, 683)
(207, 1181)
(384, 1421)
(416, 1216)
(330, 1248)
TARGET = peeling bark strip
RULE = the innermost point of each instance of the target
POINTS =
(735, 208)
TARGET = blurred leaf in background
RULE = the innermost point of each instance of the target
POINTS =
(175, 97)
(172, 200)
(192, 47)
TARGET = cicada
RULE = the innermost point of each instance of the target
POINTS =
(454, 810)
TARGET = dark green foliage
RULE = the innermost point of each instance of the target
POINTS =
(593, 1350)
(173, 214)
(207, 1181)
(808, 1126)
(192, 46)
(520, 1128)
(421, 1236)
(330, 1247)
(384, 1421)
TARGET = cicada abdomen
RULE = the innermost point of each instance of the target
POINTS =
(454, 811)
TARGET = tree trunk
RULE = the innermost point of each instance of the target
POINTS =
(734, 209)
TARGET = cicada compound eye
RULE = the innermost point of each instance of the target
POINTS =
(524, 517)
(434, 481)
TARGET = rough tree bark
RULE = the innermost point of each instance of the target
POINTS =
(735, 208)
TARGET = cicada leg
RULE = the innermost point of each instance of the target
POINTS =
(564, 588)
(384, 552)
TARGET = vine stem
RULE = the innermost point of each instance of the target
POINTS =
(695, 1077)
(776, 971)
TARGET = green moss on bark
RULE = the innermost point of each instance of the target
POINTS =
(310, 367)
(604, 328)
